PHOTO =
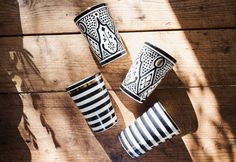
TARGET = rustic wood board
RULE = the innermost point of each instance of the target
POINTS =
(40, 17)
(42, 53)
(51, 63)
(47, 127)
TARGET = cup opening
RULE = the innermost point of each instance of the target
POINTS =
(88, 10)
(160, 51)
(84, 82)
(169, 117)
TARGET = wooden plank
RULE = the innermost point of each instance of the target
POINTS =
(51, 63)
(35, 17)
(51, 128)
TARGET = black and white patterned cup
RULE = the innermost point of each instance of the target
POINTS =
(151, 129)
(146, 72)
(93, 101)
(97, 26)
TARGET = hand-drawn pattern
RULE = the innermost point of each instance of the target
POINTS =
(103, 38)
(146, 72)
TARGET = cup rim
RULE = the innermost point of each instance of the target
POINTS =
(84, 12)
(160, 51)
(169, 117)
(83, 81)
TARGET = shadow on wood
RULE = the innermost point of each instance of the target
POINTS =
(12, 146)
(179, 106)
(204, 49)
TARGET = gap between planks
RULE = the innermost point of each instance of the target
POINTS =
(117, 89)
(124, 31)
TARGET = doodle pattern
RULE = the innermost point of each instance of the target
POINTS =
(102, 36)
(146, 73)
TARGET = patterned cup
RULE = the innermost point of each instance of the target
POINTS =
(96, 25)
(93, 101)
(146, 72)
(151, 129)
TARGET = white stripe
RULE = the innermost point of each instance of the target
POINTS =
(96, 113)
(140, 137)
(87, 100)
(128, 145)
(159, 123)
(146, 132)
(136, 145)
(106, 124)
(103, 117)
(96, 104)
(88, 91)
(153, 128)
(159, 109)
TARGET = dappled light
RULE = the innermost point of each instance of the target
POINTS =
(42, 52)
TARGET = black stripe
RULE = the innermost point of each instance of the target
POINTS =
(136, 138)
(81, 90)
(82, 82)
(100, 115)
(156, 125)
(110, 125)
(112, 58)
(127, 150)
(131, 143)
(90, 94)
(103, 121)
(93, 101)
(143, 134)
(171, 120)
(162, 120)
(130, 94)
(97, 108)
(149, 129)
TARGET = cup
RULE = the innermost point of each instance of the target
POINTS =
(97, 26)
(93, 101)
(151, 129)
(146, 72)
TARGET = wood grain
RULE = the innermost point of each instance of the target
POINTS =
(41, 16)
(51, 63)
(54, 129)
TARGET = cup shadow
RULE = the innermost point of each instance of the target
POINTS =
(178, 105)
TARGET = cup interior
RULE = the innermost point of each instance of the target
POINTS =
(168, 116)
(84, 82)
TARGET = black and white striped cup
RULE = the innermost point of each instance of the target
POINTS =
(97, 26)
(93, 101)
(151, 129)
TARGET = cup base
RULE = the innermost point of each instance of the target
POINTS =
(113, 58)
(131, 95)
(124, 147)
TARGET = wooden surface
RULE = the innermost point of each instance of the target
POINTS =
(42, 52)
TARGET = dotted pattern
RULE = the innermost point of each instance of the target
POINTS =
(105, 18)
(91, 24)
(95, 48)
(148, 75)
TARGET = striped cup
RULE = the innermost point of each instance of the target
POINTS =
(152, 128)
(93, 101)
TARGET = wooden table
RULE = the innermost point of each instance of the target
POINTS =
(42, 52)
